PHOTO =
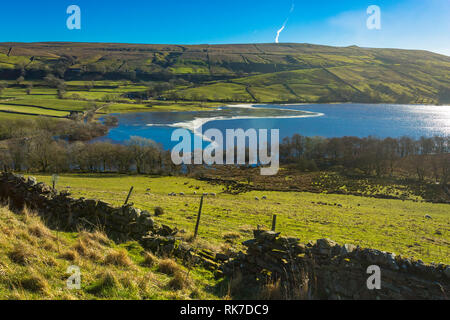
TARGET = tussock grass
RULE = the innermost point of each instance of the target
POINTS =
(96, 238)
(70, 255)
(168, 266)
(179, 281)
(21, 254)
(35, 283)
(149, 259)
(32, 267)
(49, 245)
(118, 258)
(84, 249)
(107, 283)
(231, 236)
(38, 231)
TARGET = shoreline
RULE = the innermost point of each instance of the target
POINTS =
(247, 105)
(197, 121)
(196, 124)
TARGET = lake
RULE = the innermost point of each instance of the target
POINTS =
(326, 120)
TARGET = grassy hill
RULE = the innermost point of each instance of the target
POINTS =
(260, 73)
(34, 261)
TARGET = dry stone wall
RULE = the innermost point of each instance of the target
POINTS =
(331, 271)
(126, 223)
(60, 209)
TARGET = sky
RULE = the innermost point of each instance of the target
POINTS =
(408, 24)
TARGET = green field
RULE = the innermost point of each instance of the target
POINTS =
(16, 104)
(154, 106)
(32, 110)
(391, 225)
(340, 83)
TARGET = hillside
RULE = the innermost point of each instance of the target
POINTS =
(34, 261)
(260, 73)
(111, 246)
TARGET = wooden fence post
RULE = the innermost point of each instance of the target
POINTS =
(198, 218)
(129, 194)
(54, 180)
(274, 222)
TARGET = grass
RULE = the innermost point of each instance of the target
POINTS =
(218, 92)
(154, 106)
(34, 262)
(336, 82)
(391, 225)
(32, 111)
(59, 104)
(43, 101)
(4, 116)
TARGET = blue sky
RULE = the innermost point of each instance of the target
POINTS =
(410, 24)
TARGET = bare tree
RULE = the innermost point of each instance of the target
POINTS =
(29, 88)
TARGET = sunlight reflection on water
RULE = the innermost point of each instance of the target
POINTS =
(338, 120)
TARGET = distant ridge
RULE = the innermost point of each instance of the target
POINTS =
(287, 72)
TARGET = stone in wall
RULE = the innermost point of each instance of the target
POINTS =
(337, 272)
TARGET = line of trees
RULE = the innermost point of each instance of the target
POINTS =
(65, 129)
(44, 153)
(371, 156)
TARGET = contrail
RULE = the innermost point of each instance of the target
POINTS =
(285, 22)
(279, 31)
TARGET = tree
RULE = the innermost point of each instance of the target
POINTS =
(5, 158)
(418, 164)
(106, 156)
(440, 164)
(29, 88)
(110, 121)
(44, 152)
(391, 150)
(141, 149)
(406, 146)
(60, 93)
(54, 82)
(173, 96)
(17, 151)
(77, 155)
(20, 79)
(21, 66)
(426, 145)
(57, 83)
(124, 158)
